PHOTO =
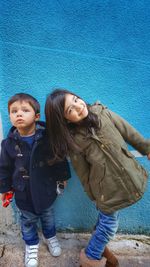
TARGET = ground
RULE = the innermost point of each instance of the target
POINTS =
(132, 250)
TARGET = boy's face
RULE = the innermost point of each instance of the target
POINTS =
(23, 117)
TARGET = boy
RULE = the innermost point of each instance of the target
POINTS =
(25, 169)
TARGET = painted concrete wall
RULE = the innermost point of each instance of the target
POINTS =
(97, 48)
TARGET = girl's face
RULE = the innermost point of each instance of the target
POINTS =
(75, 109)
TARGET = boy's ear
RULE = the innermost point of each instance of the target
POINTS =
(37, 116)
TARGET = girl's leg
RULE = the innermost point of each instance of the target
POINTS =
(106, 228)
(29, 227)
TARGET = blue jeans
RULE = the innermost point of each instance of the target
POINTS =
(106, 228)
(29, 222)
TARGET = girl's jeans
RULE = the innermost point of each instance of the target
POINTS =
(106, 228)
(29, 222)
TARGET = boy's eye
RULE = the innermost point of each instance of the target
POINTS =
(25, 110)
(14, 111)
(76, 99)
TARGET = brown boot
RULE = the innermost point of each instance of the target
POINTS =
(86, 262)
(111, 259)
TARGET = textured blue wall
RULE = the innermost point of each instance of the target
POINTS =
(97, 48)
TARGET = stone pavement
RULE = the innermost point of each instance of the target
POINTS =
(132, 250)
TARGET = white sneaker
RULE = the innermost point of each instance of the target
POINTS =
(54, 246)
(31, 256)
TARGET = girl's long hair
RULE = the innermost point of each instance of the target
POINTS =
(59, 131)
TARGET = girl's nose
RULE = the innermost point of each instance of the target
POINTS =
(78, 106)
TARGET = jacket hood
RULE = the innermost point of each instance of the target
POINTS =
(40, 129)
(97, 107)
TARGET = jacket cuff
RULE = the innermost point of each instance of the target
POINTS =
(145, 149)
(63, 178)
(5, 186)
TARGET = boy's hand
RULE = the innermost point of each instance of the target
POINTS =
(65, 183)
(148, 156)
(3, 196)
(6, 198)
(60, 187)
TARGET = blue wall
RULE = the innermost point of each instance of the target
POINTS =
(97, 48)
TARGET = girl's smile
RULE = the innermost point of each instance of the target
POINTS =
(75, 108)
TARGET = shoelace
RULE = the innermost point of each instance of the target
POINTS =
(32, 252)
(53, 243)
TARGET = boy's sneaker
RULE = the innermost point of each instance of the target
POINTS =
(31, 255)
(54, 246)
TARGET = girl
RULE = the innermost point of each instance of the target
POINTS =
(95, 139)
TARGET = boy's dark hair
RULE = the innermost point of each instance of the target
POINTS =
(27, 98)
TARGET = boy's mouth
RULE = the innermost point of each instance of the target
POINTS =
(19, 121)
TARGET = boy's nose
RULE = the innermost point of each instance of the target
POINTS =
(19, 114)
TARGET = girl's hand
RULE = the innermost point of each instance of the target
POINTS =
(148, 156)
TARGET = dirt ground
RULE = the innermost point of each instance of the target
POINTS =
(132, 250)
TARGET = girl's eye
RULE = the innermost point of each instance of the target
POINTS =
(76, 99)
(25, 110)
(70, 110)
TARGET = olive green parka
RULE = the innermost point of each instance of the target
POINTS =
(108, 171)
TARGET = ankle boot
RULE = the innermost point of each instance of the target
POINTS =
(87, 262)
(111, 259)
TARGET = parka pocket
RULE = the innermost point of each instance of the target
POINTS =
(136, 175)
(102, 177)
(136, 163)
(127, 152)
(97, 179)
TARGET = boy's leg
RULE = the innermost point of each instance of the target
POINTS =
(29, 227)
(49, 231)
(106, 228)
(30, 236)
(48, 222)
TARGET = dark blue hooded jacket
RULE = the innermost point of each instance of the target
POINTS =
(27, 170)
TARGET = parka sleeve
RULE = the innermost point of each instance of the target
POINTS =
(5, 170)
(130, 134)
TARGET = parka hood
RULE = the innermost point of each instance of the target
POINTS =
(97, 107)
